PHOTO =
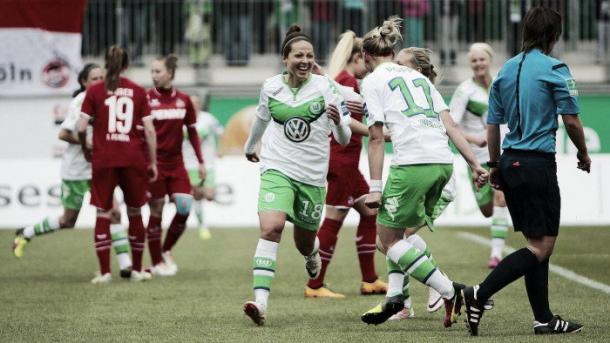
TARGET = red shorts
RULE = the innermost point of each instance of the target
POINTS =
(172, 179)
(345, 186)
(133, 181)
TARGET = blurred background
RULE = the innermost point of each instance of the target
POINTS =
(227, 48)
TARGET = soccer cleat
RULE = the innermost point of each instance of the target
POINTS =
(126, 273)
(435, 301)
(205, 234)
(162, 269)
(375, 287)
(453, 306)
(169, 261)
(474, 312)
(322, 292)
(493, 262)
(313, 264)
(101, 279)
(19, 243)
(555, 326)
(382, 312)
(403, 314)
(137, 276)
(255, 312)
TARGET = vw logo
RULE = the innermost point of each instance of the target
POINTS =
(296, 129)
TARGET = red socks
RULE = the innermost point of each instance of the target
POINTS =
(328, 239)
(103, 243)
(365, 245)
(154, 239)
(176, 229)
(137, 238)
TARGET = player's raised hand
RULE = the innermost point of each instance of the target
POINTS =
(252, 157)
(333, 113)
(373, 200)
(584, 162)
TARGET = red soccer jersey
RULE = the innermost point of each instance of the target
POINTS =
(172, 110)
(351, 153)
(117, 118)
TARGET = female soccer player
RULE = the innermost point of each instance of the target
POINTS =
(171, 110)
(469, 110)
(413, 111)
(294, 160)
(210, 132)
(119, 109)
(346, 185)
(76, 179)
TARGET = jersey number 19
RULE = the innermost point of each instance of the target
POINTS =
(120, 114)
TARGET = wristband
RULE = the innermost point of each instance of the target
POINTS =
(376, 186)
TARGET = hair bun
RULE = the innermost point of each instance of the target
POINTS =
(292, 29)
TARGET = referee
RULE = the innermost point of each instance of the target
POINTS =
(531, 90)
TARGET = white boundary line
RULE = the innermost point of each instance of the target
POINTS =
(566, 273)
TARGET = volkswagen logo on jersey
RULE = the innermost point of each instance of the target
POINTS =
(296, 129)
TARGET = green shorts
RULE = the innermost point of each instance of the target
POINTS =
(302, 203)
(210, 178)
(73, 192)
(410, 194)
(485, 194)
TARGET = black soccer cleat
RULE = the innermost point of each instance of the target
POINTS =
(126, 273)
(474, 312)
(382, 312)
(556, 326)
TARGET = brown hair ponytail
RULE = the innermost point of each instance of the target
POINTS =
(171, 63)
(116, 61)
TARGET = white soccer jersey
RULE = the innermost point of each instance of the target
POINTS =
(209, 131)
(409, 105)
(73, 164)
(468, 107)
(297, 142)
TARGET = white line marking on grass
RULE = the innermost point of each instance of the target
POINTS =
(561, 271)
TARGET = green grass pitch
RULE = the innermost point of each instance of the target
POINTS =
(47, 296)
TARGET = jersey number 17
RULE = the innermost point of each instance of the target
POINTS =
(412, 108)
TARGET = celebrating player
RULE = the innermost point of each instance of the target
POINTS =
(119, 108)
(76, 179)
(468, 107)
(418, 121)
(294, 161)
(172, 110)
(346, 185)
(209, 131)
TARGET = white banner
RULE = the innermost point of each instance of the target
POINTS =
(30, 190)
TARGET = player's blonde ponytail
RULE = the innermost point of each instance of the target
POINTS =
(421, 57)
(381, 40)
(348, 46)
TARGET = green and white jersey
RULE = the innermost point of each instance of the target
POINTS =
(73, 163)
(468, 107)
(408, 104)
(297, 141)
(209, 130)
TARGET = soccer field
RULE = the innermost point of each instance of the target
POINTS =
(47, 296)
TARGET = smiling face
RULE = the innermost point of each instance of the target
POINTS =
(161, 77)
(300, 61)
(95, 74)
(479, 63)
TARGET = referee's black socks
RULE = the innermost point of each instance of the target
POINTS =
(512, 267)
(537, 286)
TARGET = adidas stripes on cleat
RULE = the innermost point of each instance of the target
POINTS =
(382, 312)
(474, 312)
(556, 326)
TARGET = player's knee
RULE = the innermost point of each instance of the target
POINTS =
(380, 246)
(133, 211)
(183, 202)
(115, 216)
(417, 242)
(156, 207)
(67, 222)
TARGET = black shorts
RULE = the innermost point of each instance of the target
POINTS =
(529, 182)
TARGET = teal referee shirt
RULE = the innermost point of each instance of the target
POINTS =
(531, 90)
